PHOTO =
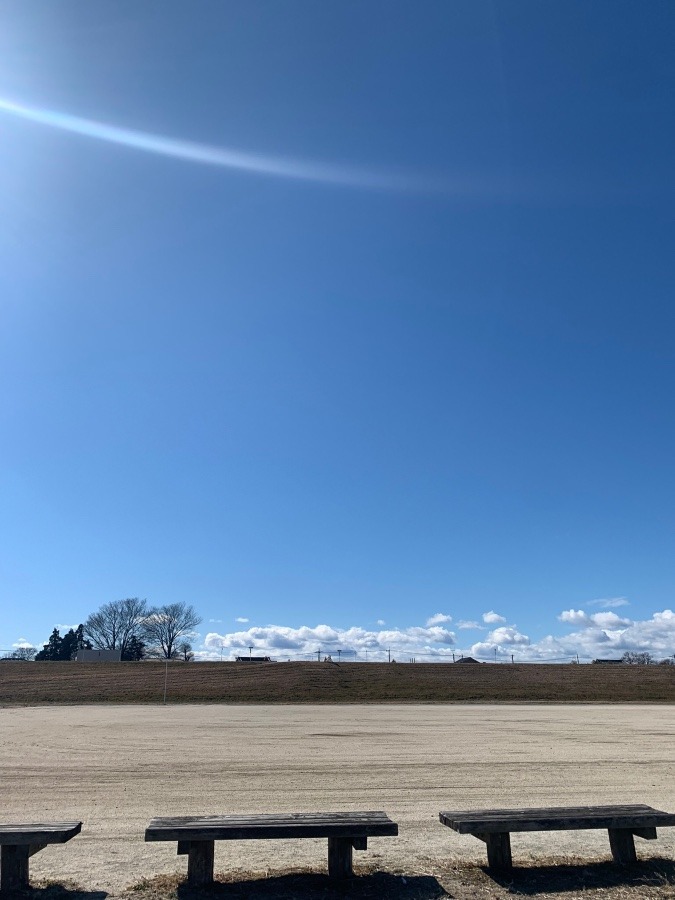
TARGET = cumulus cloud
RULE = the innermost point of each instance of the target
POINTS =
(380, 622)
(578, 617)
(606, 635)
(215, 621)
(610, 603)
(492, 618)
(354, 642)
(506, 639)
(438, 619)
(242, 620)
(602, 634)
(507, 635)
(22, 642)
(575, 617)
(464, 623)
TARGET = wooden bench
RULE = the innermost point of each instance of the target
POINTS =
(622, 822)
(19, 842)
(196, 835)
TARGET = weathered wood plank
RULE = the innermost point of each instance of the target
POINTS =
(622, 845)
(259, 827)
(555, 819)
(195, 835)
(339, 857)
(498, 850)
(38, 832)
(200, 862)
(622, 822)
(647, 834)
(14, 868)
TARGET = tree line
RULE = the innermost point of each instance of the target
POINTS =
(131, 626)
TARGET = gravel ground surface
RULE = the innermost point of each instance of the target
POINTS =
(115, 767)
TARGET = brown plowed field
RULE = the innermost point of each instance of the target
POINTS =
(23, 683)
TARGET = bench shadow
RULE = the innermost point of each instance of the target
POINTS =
(307, 886)
(54, 890)
(655, 872)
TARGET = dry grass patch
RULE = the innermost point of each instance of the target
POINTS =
(572, 879)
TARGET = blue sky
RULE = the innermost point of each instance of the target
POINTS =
(350, 315)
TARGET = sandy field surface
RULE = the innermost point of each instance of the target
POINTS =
(115, 767)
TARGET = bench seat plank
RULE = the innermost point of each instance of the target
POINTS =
(19, 842)
(623, 823)
(196, 835)
(38, 833)
(260, 827)
(563, 818)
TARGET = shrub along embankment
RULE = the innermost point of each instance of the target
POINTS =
(29, 683)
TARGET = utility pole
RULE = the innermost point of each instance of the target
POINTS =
(250, 649)
(339, 652)
(495, 654)
(389, 652)
(318, 655)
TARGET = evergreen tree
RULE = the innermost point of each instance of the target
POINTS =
(58, 649)
(134, 651)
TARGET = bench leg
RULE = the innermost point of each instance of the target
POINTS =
(622, 846)
(499, 850)
(200, 862)
(339, 857)
(14, 868)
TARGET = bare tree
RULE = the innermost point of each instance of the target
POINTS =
(163, 626)
(116, 624)
(635, 658)
(27, 653)
(184, 650)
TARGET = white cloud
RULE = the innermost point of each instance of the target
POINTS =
(354, 642)
(380, 622)
(603, 634)
(609, 620)
(507, 635)
(438, 619)
(22, 642)
(604, 637)
(596, 620)
(463, 623)
(492, 618)
(575, 617)
(215, 621)
(505, 640)
(242, 619)
(610, 603)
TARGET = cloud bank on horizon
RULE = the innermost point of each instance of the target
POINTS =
(598, 635)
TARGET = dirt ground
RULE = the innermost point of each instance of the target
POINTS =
(115, 767)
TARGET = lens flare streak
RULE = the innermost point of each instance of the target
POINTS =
(205, 154)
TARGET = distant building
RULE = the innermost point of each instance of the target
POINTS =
(253, 659)
(467, 659)
(99, 655)
(608, 662)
